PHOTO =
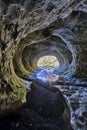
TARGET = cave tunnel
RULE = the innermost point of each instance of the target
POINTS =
(43, 65)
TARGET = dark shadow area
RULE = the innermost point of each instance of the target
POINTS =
(44, 110)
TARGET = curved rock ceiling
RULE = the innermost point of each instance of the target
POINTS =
(34, 30)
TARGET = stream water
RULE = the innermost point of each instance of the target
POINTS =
(76, 97)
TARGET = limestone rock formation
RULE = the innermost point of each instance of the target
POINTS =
(39, 28)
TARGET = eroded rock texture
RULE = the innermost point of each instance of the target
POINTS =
(30, 29)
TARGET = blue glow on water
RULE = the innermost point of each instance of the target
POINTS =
(43, 74)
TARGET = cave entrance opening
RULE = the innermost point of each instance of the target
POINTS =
(47, 65)
(48, 61)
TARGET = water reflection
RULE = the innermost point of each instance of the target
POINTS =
(45, 74)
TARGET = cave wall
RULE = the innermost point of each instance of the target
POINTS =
(43, 24)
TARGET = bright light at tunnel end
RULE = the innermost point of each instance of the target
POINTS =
(46, 69)
(49, 60)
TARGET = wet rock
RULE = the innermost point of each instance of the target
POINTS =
(29, 4)
(2, 7)
(48, 102)
(13, 10)
(28, 117)
(75, 106)
(84, 114)
(50, 6)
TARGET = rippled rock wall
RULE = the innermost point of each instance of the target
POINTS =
(31, 29)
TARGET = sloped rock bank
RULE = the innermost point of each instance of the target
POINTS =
(46, 108)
